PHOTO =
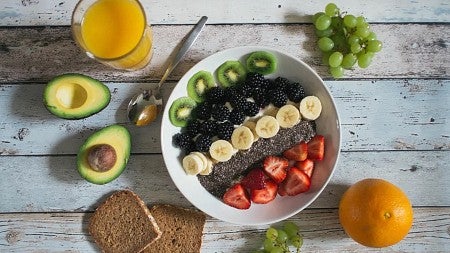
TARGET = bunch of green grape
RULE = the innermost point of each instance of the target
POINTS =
(278, 240)
(344, 40)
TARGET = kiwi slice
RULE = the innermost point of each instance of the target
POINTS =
(231, 73)
(261, 62)
(180, 111)
(198, 84)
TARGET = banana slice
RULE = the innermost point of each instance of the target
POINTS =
(251, 125)
(310, 107)
(221, 150)
(267, 126)
(242, 138)
(208, 169)
(202, 156)
(192, 164)
(288, 116)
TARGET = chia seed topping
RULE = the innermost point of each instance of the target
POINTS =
(224, 174)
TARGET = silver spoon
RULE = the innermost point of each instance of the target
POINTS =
(144, 107)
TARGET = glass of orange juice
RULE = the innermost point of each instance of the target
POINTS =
(113, 32)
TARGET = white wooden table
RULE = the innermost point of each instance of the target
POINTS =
(395, 118)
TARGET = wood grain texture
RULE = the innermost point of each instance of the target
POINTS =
(375, 115)
(52, 183)
(67, 232)
(36, 54)
(52, 12)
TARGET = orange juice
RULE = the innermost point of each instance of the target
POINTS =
(115, 32)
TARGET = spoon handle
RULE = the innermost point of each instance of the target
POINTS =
(173, 61)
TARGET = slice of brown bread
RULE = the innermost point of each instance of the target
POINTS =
(182, 229)
(123, 223)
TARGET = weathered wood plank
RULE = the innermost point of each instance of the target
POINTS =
(375, 115)
(39, 53)
(35, 12)
(52, 183)
(46, 232)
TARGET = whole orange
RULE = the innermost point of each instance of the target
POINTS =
(375, 213)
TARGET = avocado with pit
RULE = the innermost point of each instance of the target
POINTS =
(104, 155)
(75, 96)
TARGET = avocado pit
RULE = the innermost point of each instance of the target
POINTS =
(102, 157)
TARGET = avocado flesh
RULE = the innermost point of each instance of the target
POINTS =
(75, 96)
(119, 138)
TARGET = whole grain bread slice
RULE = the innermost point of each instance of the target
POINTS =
(182, 229)
(123, 223)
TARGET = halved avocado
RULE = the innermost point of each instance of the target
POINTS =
(75, 96)
(115, 136)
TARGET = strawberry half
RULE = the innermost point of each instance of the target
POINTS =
(275, 167)
(265, 195)
(316, 148)
(295, 183)
(254, 180)
(306, 166)
(298, 152)
(236, 196)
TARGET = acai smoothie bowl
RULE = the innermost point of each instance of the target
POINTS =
(251, 135)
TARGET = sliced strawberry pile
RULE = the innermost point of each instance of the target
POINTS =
(286, 175)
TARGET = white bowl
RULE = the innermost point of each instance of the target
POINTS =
(282, 207)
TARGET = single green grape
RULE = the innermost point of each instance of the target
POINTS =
(371, 36)
(282, 236)
(268, 244)
(272, 233)
(325, 44)
(291, 229)
(315, 16)
(364, 60)
(297, 241)
(355, 48)
(324, 33)
(335, 59)
(374, 46)
(331, 10)
(349, 60)
(362, 31)
(322, 22)
(349, 21)
(337, 72)
(353, 39)
(360, 20)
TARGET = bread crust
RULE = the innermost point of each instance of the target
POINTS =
(123, 223)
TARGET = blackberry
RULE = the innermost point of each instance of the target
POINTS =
(215, 95)
(220, 113)
(193, 128)
(225, 130)
(237, 117)
(246, 90)
(295, 92)
(191, 147)
(238, 101)
(251, 109)
(277, 97)
(203, 142)
(208, 127)
(203, 111)
(255, 80)
(181, 140)
(281, 83)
